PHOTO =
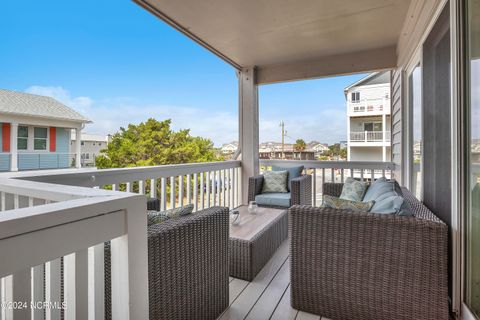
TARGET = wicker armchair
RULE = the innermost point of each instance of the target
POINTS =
(351, 265)
(188, 270)
(300, 190)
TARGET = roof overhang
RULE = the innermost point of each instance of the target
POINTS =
(34, 120)
(291, 40)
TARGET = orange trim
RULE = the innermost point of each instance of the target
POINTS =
(53, 139)
(6, 137)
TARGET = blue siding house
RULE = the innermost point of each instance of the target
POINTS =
(35, 132)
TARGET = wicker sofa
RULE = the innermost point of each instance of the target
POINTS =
(300, 190)
(353, 265)
(188, 271)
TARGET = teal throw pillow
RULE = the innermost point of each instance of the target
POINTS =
(275, 181)
(293, 172)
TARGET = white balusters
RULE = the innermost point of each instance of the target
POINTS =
(153, 188)
(52, 288)
(96, 282)
(172, 192)
(180, 190)
(202, 187)
(189, 194)
(208, 189)
(163, 194)
(141, 187)
(195, 191)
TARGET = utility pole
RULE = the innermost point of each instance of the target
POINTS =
(284, 133)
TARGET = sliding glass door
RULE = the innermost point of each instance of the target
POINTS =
(415, 105)
(472, 221)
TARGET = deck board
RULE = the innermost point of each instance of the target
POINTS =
(268, 301)
(236, 288)
(284, 310)
(268, 295)
(245, 302)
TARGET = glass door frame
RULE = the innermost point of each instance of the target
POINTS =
(416, 61)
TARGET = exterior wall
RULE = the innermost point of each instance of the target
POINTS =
(368, 154)
(33, 160)
(89, 150)
(370, 92)
(356, 124)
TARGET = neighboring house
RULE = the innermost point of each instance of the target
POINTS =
(317, 148)
(91, 146)
(273, 150)
(35, 132)
(229, 148)
(368, 123)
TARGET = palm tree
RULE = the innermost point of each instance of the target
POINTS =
(300, 146)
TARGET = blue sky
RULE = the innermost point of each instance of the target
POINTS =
(116, 63)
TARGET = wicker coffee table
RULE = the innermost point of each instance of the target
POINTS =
(255, 239)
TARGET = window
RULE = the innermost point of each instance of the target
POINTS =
(82, 143)
(372, 126)
(40, 138)
(22, 140)
(415, 104)
(355, 96)
(472, 149)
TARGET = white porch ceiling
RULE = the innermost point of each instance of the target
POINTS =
(278, 36)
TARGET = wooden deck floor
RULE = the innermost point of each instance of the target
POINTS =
(268, 295)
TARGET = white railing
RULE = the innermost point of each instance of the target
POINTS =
(369, 136)
(201, 184)
(53, 234)
(335, 171)
(53, 227)
(369, 106)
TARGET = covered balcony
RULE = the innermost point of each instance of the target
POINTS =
(77, 239)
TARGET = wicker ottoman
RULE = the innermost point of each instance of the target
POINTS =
(255, 240)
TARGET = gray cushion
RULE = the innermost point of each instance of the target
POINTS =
(275, 181)
(353, 190)
(293, 172)
(273, 199)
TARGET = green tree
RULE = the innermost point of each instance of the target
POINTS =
(335, 151)
(300, 145)
(153, 143)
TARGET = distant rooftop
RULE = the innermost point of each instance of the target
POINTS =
(371, 79)
(90, 137)
(26, 104)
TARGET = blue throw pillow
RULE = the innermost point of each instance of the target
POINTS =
(388, 198)
(293, 172)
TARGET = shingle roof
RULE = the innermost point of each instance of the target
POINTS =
(26, 104)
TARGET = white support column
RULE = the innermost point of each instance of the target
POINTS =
(248, 126)
(384, 140)
(348, 134)
(13, 147)
(78, 150)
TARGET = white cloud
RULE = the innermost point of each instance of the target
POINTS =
(328, 126)
(110, 114)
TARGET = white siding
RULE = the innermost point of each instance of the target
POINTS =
(370, 91)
